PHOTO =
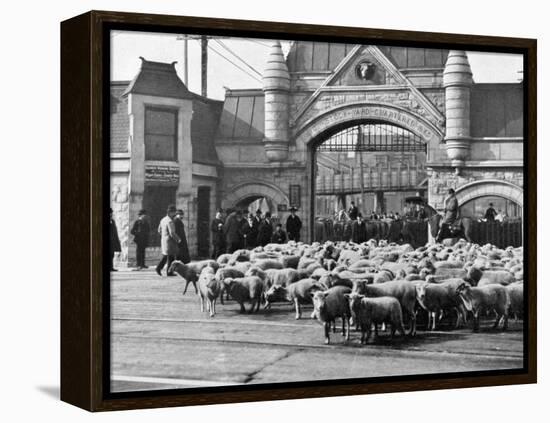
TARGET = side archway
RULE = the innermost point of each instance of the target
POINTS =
(254, 189)
(488, 187)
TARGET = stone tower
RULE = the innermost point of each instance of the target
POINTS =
(457, 81)
(276, 86)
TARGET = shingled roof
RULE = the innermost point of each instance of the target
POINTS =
(120, 123)
(158, 79)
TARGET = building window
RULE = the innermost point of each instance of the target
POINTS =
(477, 207)
(161, 134)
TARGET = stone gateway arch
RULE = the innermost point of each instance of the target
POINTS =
(261, 143)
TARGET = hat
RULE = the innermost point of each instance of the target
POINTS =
(179, 211)
(267, 214)
(258, 211)
(171, 209)
(293, 209)
(141, 212)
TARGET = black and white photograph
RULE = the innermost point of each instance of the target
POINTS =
(304, 211)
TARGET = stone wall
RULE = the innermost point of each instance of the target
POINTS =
(121, 213)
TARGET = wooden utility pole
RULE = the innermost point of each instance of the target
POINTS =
(204, 65)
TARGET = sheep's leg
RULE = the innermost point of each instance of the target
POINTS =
(185, 289)
(258, 305)
(334, 326)
(368, 332)
(214, 307)
(476, 321)
(346, 320)
(242, 308)
(392, 332)
(195, 286)
(376, 330)
(327, 331)
(505, 321)
(221, 295)
(297, 307)
(201, 301)
(412, 315)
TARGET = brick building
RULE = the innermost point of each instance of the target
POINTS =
(416, 115)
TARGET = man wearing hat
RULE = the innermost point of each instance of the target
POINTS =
(114, 241)
(169, 239)
(293, 225)
(490, 213)
(218, 239)
(265, 231)
(141, 231)
(183, 250)
(232, 231)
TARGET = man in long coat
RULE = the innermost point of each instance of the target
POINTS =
(358, 230)
(168, 239)
(232, 231)
(141, 231)
(265, 231)
(183, 249)
(293, 226)
(218, 239)
(353, 211)
(451, 215)
(114, 241)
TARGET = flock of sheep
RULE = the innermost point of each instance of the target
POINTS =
(367, 285)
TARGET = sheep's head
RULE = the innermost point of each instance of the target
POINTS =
(463, 291)
(354, 300)
(319, 300)
(175, 266)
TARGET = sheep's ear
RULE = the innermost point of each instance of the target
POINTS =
(348, 296)
(325, 293)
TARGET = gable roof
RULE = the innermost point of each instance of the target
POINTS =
(158, 79)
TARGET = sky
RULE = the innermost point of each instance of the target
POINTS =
(128, 46)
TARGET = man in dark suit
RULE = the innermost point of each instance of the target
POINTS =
(359, 230)
(114, 241)
(141, 231)
(232, 231)
(183, 249)
(353, 211)
(279, 236)
(293, 226)
(490, 213)
(218, 239)
(265, 231)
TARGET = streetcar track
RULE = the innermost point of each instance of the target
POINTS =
(347, 347)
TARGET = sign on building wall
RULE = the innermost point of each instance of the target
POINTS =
(295, 200)
(162, 175)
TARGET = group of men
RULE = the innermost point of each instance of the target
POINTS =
(244, 230)
(229, 234)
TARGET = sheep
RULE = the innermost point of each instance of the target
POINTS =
(299, 293)
(329, 305)
(502, 277)
(332, 279)
(265, 264)
(486, 298)
(209, 290)
(224, 273)
(187, 272)
(403, 291)
(438, 298)
(368, 311)
(247, 289)
(277, 281)
(384, 275)
(290, 261)
(515, 291)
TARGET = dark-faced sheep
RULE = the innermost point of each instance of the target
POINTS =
(247, 289)
(374, 311)
(331, 304)
(484, 299)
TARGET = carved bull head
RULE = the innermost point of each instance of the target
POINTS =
(365, 70)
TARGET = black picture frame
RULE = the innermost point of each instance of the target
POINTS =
(85, 170)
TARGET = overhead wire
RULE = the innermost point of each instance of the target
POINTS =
(232, 62)
(223, 45)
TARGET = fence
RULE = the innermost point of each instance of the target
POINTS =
(500, 234)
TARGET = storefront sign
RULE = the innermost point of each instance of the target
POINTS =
(162, 174)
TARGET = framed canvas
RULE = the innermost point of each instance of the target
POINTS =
(345, 211)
